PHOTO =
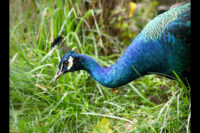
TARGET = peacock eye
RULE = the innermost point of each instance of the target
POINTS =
(66, 63)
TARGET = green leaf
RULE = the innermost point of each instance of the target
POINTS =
(102, 127)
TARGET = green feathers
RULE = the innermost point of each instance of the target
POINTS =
(156, 26)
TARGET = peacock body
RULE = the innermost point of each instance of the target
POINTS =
(162, 46)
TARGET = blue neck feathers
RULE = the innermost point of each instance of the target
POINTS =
(136, 61)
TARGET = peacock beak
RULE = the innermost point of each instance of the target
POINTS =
(58, 74)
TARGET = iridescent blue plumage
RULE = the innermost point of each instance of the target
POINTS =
(162, 46)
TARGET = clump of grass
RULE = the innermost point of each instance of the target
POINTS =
(75, 103)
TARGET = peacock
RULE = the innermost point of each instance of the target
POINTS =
(163, 46)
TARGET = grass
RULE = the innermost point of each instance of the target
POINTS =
(76, 103)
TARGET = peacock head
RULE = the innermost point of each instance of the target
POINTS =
(69, 63)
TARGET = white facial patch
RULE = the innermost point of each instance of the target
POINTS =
(70, 62)
(61, 66)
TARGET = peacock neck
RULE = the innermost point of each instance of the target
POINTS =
(128, 67)
(113, 76)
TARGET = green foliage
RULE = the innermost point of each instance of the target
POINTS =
(102, 127)
(130, 27)
(76, 103)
